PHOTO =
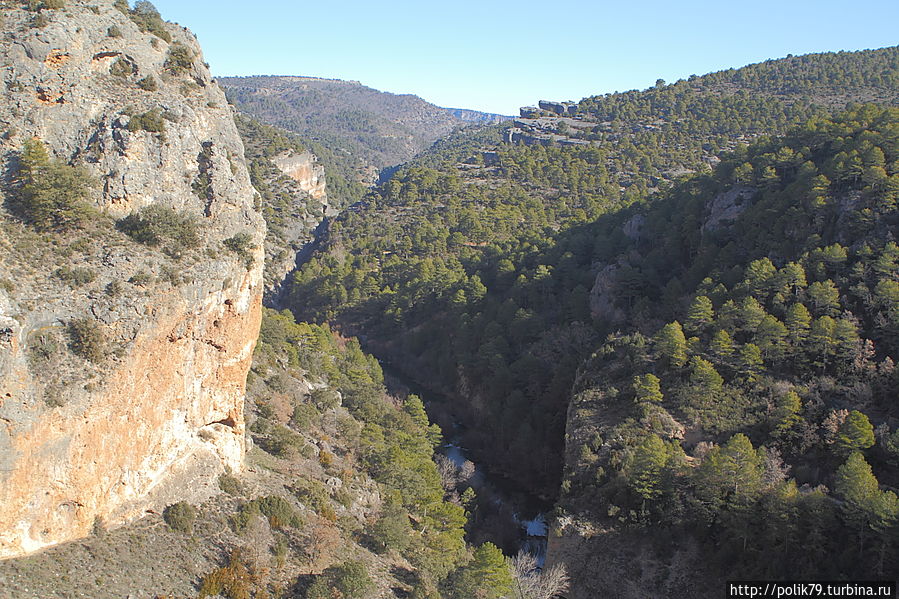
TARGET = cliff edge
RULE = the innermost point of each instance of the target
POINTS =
(126, 337)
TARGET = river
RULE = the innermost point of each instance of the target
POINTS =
(503, 513)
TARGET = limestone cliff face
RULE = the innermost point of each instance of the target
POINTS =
(305, 170)
(161, 414)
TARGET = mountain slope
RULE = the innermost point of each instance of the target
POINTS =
(131, 268)
(750, 383)
(379, 129)
(474, 268)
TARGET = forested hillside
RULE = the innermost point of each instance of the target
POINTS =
(747, 398)
(477, 270)
(377, 129)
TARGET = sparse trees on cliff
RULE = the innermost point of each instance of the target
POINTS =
(52, 195)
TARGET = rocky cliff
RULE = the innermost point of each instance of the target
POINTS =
(305, 170)
(154, 411)
(291, 182)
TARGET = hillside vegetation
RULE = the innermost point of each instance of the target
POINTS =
(747, 398)
(378, 129)
(291, 214)
(477, 268)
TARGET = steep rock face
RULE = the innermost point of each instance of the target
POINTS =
(305, 170)
(161, 414)
(727, 206)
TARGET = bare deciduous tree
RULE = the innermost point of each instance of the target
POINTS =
(449, 473)
(466, 471)
(534, 583)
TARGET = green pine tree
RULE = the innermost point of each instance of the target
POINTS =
(672, 344)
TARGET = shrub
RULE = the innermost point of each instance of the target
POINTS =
(148, 84)
(314, 494)
(140, 278)
(87, 340)
(281, 441)
(279, 549)
(179, 60)
(188, 87)
(279, 512)
(344, 497)
(350, 579)
(52, 195)
(151, 121)
(303, 417)
(180, 516)
(278, 383)
(325, 398)
(241, 244)
(231, 581)
(155, 225)
(147, 19)
(114, 31)
(122, 68)
(230, 484)
(76, 277)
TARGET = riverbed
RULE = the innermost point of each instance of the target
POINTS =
(503, 514)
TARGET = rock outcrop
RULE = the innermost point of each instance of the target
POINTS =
(303, 168)
(727, 206)
(158, 414)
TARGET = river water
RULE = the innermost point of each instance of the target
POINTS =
(504, 514)
(530, 525)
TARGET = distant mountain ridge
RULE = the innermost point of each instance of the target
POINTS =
(381, 128)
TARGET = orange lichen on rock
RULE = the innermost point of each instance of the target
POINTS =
(46, 96)
(56, 58)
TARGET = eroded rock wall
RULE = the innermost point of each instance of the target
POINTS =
(305, 170)
(161, 415)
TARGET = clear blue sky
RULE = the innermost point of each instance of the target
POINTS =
(497, 55)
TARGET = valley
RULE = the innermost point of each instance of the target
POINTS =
(277, 337)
